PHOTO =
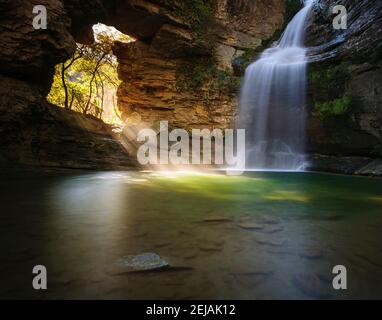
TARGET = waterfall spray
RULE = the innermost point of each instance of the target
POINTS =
(272, 101)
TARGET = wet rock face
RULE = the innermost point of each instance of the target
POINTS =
(346, 80)
(167, 73)
(184, 74)
(29, 54)
(256, 19)
(157, 84)
(140, 19)
(360, 39)
(36, 133)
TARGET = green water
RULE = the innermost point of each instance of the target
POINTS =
(259, 236)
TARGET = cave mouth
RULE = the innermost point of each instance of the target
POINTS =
(88, 81)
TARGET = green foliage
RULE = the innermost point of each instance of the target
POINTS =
(329, 80)
(204, 75)
(207, 77)
(196, 12)
(199, 14)
(328, 90)
(193, 76)
(88, 81)
(337, 107)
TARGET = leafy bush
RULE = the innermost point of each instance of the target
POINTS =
(337, 107)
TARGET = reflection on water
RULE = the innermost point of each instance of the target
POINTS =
(260, 236)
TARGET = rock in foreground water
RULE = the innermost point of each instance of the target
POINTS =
(145, 262)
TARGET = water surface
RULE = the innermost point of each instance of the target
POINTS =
(259, 236)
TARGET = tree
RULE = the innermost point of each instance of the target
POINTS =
(84, 82)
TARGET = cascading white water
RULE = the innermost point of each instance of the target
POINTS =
(272, 102)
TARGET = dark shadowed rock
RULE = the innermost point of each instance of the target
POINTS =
(184, 75)
(216, 219)
(36, 133)
(149, 69)
(311, 254)
(272, 242)
(346, 165)
(346, 72)
(273, 229)
(250, 226)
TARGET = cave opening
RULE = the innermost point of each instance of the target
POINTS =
(88, 81)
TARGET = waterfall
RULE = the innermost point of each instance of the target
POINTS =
(272, 101)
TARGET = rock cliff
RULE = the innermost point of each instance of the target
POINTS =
(33, 132)
(184, 73)
(178, 70)
(184, 68)
(345, 96)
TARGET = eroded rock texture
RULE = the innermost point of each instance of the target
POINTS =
(346, 77)
(33, 132)
(180, 70)
(36, 133)
(166, 74)
(184, 73)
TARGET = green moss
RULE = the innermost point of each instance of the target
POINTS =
(199, 14)
(205, 76)
(203, 73)
(328, 91)
(329, 80)
(196, 12)
(336, 107)
(193, 76)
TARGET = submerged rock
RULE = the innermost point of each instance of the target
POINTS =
(274, 230)
(145, 262)
(216, 219)
(251, 271)
(345, 82)
(311, 254)
(272, 243)
(250, 226)
(332, 217)
(212, 246)
(310, 285)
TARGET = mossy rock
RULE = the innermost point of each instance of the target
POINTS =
(336, 107)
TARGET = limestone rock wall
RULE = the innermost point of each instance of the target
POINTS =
(33, 132)
(184, 73)
(166, 74)
(180, 70)
(346, 78)
(36, 133)
(31, 55)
